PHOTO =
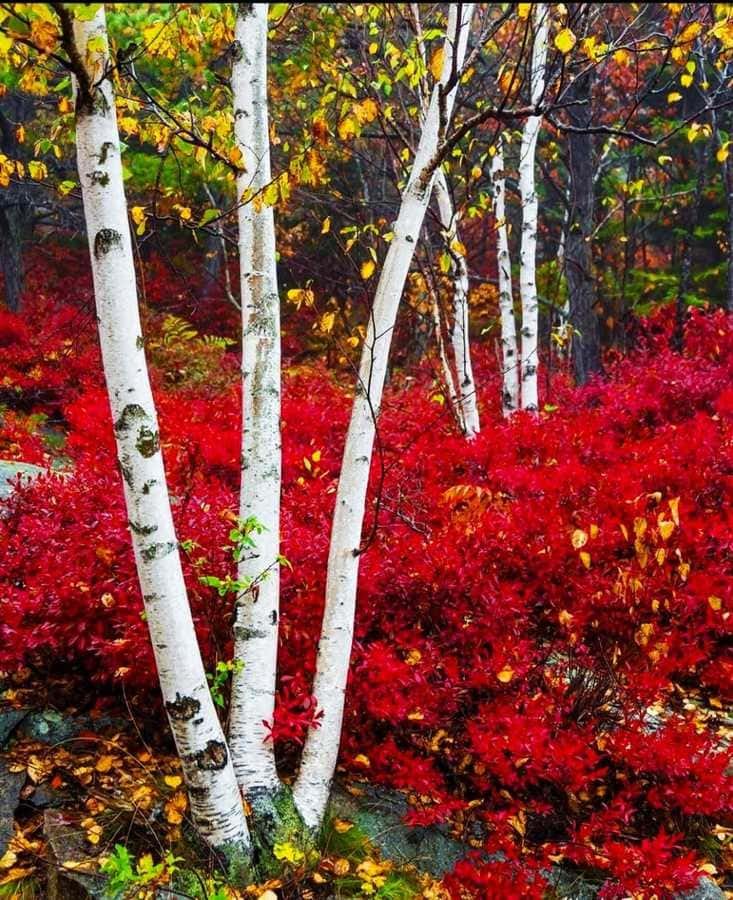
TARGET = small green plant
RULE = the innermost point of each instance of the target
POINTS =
(219, 678)
(126, 874)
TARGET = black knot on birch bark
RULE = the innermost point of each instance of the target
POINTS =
(132, 413)
(105, 240)
(213, 757)
(182, 708)
(158, 550)
(148, 442)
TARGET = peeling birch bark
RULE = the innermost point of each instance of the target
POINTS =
(528, 194)
(215, 800)
(256, 625)
(509, 348)
(320, 754)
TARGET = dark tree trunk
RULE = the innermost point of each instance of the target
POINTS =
(728, 175)
(11, 254)
(15, 211)
(578, 246)
(728, 185)
(688, 246)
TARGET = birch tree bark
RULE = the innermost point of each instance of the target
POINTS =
(464, 400)
(256, 625)
(527, 190)
(209, 774)
(460, 338)
(313, 785)
(509, 348)
(445, 368)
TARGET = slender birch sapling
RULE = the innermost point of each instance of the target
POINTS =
(256, 625)
(528, 195)
(509, 359)
(313, 784)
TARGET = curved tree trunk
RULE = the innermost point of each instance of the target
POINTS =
(586, 339)
(527, 190)
(509, 358)
(313, 785)
(256, 626)
(215, 801)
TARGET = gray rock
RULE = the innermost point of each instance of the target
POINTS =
(9, 470)
(50, 727)
(379, 813)
(10, 787)
(45, 797)
(68, 844)
(47, 726)
(707, 889)
(571, 885)
(9, 721)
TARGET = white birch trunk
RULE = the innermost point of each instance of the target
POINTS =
(313, 785)
(450, 382)
(509, 357)
(462, 401)
(215, 800)
(527, 275)
(256, 626)
(460, 338)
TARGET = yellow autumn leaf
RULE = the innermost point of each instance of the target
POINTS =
(579, 538)
(666, 528)
(15, 875)
(347, 128)
(523, 10)
(138, 214)
(173, 781)
(686, 79)
(715, 603)
(585, 558)
(673, 97)
(415, 716)
(104, 763)
(326, 227)
(37, 169)
(366, 111)
(436, 63)
(565, 41)
(175, 808)
(362, 759)
(674, 508)
(327, 322)
(342, 826)
(367, 269)
(506, 675)
(723, 152)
